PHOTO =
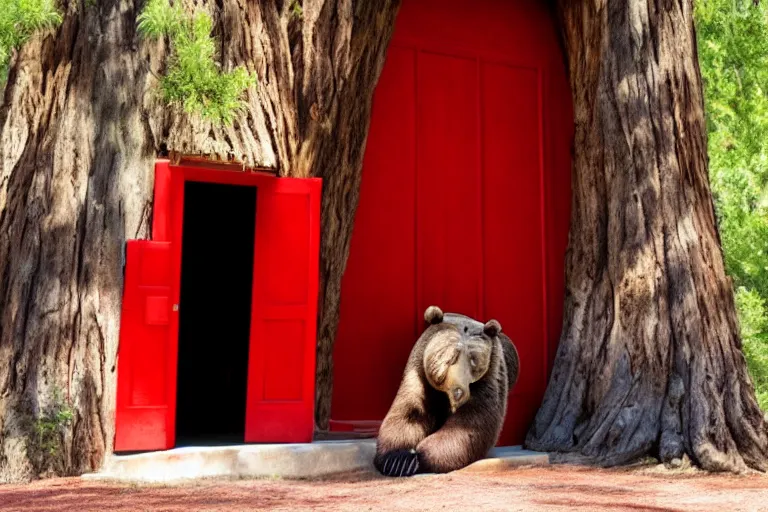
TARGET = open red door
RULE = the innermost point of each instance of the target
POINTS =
(144, 418)
(281, 366)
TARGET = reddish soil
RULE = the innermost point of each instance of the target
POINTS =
(549, 488)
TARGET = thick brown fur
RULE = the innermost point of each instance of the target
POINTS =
(427, 429)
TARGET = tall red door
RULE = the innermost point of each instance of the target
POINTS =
(464, 200)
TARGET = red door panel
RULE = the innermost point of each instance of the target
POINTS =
(281, 366)
(382, 268)
(513, 229)
(144, 417)
(448, 210)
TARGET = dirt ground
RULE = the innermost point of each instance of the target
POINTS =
(531, 488)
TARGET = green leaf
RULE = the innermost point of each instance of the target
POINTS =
(19, 20)
(194, 80)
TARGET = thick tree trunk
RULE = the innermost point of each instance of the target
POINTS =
(650, 359)
(81, 127)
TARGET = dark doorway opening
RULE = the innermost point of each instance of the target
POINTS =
(214, 313)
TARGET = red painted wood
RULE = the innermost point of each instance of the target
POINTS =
(161, 207)
(449, 238)
(381, 272)
(281, 367)
(464, 199)
(513, 229)
(144, 416)
(281, 379)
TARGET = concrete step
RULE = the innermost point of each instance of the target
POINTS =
(290, 461)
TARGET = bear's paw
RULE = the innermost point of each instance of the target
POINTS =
(398, 463)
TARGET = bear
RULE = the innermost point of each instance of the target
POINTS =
(452, 400)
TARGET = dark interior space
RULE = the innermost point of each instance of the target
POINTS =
(214, 313)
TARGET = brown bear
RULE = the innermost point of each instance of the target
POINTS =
(452, 400)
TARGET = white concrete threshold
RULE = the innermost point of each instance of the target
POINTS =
(289, 461)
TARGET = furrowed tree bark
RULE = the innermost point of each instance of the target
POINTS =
(650, 359)
(82, 125)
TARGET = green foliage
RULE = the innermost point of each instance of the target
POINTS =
(193, 79)
(754, 327)
(296, 10)
(19, 19)
(49, 425)
(733, 52)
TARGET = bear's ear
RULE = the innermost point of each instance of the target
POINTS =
(433, 315)
(492, 328)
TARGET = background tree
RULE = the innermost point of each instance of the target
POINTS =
(650, 359)
(733, 51)
(82, 123)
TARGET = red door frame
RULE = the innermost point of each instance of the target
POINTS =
(176, 177)
(283, 317)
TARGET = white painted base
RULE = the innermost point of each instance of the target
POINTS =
(291, 461)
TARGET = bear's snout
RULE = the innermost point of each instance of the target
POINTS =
(458, 397)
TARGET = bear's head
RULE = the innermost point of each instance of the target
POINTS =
(458, 353)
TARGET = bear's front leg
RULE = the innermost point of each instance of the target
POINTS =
(407, 423)
(466, 437)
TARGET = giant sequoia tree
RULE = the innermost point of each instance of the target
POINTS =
(650, 355)
(82, 124)
(650, 359)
